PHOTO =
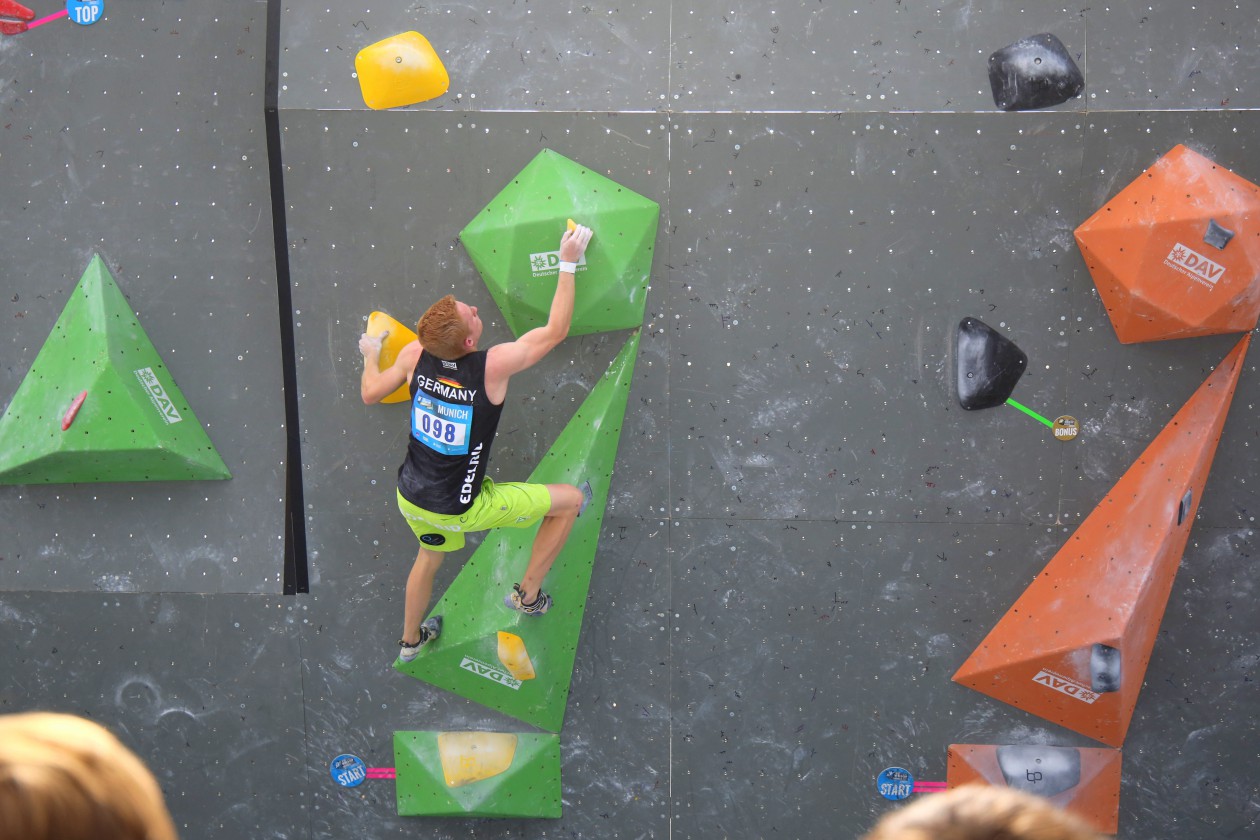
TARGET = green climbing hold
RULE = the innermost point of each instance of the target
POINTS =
(133, 424)
(513, 242)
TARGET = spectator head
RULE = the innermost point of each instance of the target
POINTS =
(66, 778)
(980, 812)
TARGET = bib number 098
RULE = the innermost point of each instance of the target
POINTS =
(440, 430)
(441, 426)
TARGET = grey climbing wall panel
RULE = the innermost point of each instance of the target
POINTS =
(806, 535)
(141, 138)
(202, 687)
(499, 56)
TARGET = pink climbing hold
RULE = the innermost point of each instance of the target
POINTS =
(72, 411)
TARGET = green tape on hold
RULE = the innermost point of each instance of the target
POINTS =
(513, 243)
(477, 774)
(466, 659)
(134, 424)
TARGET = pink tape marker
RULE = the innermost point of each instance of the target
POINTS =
(43, 20)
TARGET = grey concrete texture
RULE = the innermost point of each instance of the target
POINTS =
(806, 535)
(834, 312)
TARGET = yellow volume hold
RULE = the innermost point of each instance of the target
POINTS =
(401, 70)
(514, 657)
(396, 337)
(469, 757)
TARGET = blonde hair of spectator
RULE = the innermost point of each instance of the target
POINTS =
(981, 812)
(66, 778)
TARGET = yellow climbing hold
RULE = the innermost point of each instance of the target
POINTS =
(514, 657)
(398, 338)
(572, 225)
(401, 70)
(469, 757)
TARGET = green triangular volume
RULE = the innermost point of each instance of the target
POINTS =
(465, 660)
(513, 243)
(133, 425)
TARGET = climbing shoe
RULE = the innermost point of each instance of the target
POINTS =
(515, 600)
(429, 631)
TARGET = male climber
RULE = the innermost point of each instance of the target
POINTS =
(457, 393)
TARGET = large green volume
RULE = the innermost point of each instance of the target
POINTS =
(133, 424)
(466, 659)
(513, 242)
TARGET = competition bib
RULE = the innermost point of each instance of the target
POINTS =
(441, 426)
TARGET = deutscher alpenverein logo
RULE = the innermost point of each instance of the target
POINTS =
(1194, 265)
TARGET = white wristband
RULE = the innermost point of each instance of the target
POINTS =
(568, 266)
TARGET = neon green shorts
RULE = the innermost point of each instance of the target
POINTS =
(510, 504)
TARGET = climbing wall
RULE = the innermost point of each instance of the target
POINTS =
(1074, 648)
(362, 555)
(154, 608)
(805, 534)
(136, 138)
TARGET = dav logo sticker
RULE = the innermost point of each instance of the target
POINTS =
(1063, 685)
(1194, 265)
(157, 395)
(490, 672)
(547, 263)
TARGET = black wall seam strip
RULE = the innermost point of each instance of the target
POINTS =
(296, 571)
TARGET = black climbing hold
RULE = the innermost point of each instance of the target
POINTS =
(1218, 237)
(1183, 507)
(1045, 771)
(1035, 72)
(1104, 668)
(989, 365)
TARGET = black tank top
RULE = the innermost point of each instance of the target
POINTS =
(452, 427)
